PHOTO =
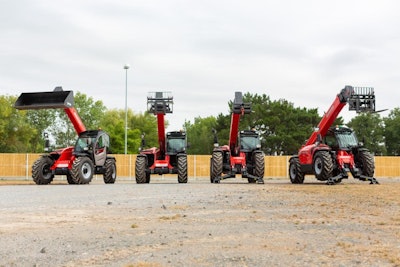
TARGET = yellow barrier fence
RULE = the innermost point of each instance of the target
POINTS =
(20, 165)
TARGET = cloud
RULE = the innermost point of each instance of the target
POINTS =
(202, 51)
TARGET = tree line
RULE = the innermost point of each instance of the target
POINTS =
(282, 126)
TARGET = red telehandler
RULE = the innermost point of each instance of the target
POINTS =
(170, 156)
(89, 155)
(332, 152)
(243, 155)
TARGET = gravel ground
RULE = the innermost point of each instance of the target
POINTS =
(201, 224)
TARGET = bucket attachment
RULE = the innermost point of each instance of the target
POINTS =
(238, 106)
(160, 102)
(44, 100)
(362, 99)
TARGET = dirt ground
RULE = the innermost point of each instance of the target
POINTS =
(200, 224)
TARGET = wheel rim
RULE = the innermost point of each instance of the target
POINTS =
(86, 170)
(114, 172)
(46, 173)
(292, 171)
(318, 166)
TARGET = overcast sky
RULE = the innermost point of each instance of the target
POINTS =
(202, 51)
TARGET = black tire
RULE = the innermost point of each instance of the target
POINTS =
(41, 172)
(211, 171)
(295, 174)
(259, 167)
(182, 169)
(110, 175)
(251, 180)
(366, 164)
(323, 165)
(216, 166)
(140, 170)
(147, 177)
(82, 170)
(69, 179)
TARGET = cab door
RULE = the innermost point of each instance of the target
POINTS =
(100, 151)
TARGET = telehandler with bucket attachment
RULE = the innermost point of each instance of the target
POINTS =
(79, 163)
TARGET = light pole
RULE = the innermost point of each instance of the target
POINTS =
(126, 67)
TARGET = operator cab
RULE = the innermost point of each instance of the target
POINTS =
(341, 137)
(249, 141)
(176, 142)
(94, 144)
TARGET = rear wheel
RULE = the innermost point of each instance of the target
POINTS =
(367, 163)
(295, 174)
(323, 165)
(182, 169)
(41, 172)
(69, 179)
(140, 171)
(82, 170)
(216, 167)
(110, 174)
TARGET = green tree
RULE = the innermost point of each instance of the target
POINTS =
(392, 137)
(15, 130)
(200, 137)
(369, 128)
(113, 122)
(41, 120)
(89, 111)
(283, 127)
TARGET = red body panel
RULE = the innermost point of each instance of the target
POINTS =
(344, 158)
(65, 159)
(306, 153)
(239, 160)
(159, 162)
(162, 164)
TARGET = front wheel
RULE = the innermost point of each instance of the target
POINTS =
(295, 174)
(140, 171)
(182, 169)
(41, 172)
(110, 175)
(259, 166)
(69, 179)
(323, 165)
(216, 167)
(82, 170)
(367, 164)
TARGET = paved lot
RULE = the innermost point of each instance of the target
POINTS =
(201, 224)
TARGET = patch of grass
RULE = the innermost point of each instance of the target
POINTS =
(170, 218)
(343, 244)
